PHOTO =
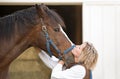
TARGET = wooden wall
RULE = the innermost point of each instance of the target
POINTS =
(29, 66)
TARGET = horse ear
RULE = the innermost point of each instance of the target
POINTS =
(41, 10)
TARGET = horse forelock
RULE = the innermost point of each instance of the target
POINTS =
(22, 20)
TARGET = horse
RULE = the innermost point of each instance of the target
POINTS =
(37, 26)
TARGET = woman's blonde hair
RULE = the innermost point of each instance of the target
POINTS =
(88, 56)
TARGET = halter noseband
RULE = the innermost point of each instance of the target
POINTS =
(49, 42)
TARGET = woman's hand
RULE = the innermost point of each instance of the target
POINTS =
(61, 62)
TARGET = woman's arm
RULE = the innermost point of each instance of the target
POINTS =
(50, 62)
(76, 71)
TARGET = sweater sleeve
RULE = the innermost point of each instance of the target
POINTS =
(75, 72)
(50, 62)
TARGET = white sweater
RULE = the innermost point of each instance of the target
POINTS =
(75, 72)
(50, 62)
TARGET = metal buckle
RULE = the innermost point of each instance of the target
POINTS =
(44, 28)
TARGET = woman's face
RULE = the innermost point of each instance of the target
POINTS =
(78, 49)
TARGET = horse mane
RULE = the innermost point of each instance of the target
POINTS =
(22, 20)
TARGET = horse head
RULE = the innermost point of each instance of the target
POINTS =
(49, 35)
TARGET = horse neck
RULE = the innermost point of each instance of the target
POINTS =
(4, 73)
(15, 52)
(11, 55)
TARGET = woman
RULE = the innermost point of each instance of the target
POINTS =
(85, 56)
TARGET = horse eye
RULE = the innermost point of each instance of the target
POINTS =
(56, 29)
